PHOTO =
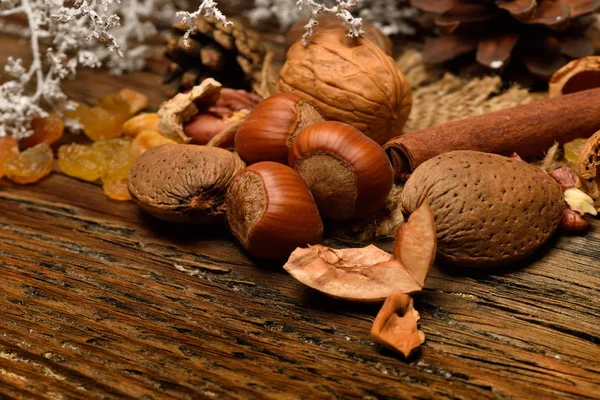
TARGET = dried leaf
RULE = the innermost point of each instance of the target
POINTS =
(175, 112)
(495, 52)
(416, 243)
(395, 326)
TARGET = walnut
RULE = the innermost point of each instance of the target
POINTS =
(349, 80)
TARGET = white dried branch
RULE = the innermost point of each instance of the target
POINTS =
(208, 8)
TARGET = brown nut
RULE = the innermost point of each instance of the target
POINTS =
(271, 212)
(327, 21)
(573, 221)
(348, 174)
(183, 183)
(489, 210)
(578, 75)
(349, 80)
(269, 130)
(211, 120)
(143, 122)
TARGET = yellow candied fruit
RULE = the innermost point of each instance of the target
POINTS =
(114, 179)
(99, 124)
(116, 190)
(81, 162)
(136, 100)
(8, 147)
(45, 130)
(109, 147)
(78, 112)
(147, 140)
(31, 165)
(142, 122)
(115, 103)
(573, 149)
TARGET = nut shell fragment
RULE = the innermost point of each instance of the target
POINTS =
(366, 274)
(175, 112)
(395, 326)
(183, 183)
(578, 75)
(588, 168)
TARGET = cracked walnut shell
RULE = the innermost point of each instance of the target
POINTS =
(349, 80)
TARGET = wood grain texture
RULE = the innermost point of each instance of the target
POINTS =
(100, 301)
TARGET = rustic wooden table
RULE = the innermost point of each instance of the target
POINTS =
(98, 300)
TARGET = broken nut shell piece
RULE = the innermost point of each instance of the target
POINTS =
(578, 75)
(588, 168)
(175, 112)
(395, 326)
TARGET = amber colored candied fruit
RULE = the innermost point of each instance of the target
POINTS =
(31, 165)
(146, 140)
(8, 148)
(77, 113)
(45, 130)
(109, 147)
(573, 149)
(114, 179)
(81, 161)
(137, 101)
(99, 124)
(116, 104)
(139, 123)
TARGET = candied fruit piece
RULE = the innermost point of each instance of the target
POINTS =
(81, 161)
(116, 190)
(114, 179)
(137, 101)
(31, 165)
(573, 149)
(142, 122)
(109, 147)
(45, 130)
(78, 112)
(115, 103)
(147, 140)
(99, 124)
(8, 148)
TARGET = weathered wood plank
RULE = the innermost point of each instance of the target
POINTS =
(99, 300)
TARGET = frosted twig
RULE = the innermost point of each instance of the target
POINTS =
(208, 8)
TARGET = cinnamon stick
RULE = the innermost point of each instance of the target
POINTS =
(527, 130)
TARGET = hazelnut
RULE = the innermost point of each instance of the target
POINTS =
(349, 80)
(269, 130)
(348, 174)
(183, 183)
(271, 211)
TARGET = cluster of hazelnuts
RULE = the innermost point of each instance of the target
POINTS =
(301, 169)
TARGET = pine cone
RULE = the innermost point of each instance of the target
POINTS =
(233, 55)
(544, 34)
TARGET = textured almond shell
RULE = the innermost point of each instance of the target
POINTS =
(588, 168)
(489, 210)
(183, 182)
(349, 80)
